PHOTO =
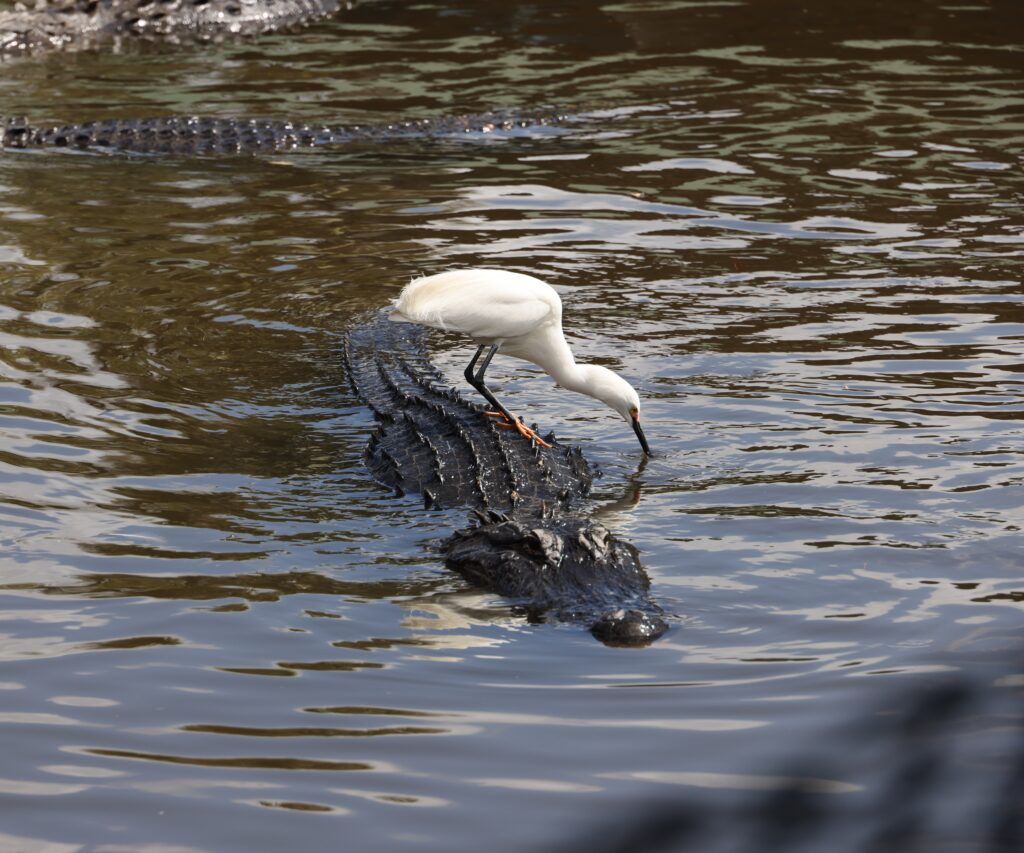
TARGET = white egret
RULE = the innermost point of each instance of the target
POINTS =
(520, 316)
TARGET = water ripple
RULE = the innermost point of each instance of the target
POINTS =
(800, 238)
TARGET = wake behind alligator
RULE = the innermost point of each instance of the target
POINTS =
(527, 541)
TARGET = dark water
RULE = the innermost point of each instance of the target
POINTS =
(797, 227)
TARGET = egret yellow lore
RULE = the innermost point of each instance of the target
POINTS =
(520, 316)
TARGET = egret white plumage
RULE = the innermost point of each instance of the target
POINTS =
(520, 316)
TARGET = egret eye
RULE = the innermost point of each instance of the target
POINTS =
(634, 413)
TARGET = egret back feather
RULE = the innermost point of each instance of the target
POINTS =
(487, 305)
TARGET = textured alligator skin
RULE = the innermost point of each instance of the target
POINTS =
(83, 24)
(194, 135)
(526, 543)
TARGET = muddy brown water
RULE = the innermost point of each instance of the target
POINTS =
(797, 228)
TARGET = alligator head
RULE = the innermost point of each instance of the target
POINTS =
(572, 568)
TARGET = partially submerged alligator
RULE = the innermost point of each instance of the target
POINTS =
(526, 543)
(81, 24)
(84, 24)
(196, 135)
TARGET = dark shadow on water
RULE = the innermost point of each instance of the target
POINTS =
(930, 767)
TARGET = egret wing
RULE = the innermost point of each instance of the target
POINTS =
(497, 318)
(485, 304)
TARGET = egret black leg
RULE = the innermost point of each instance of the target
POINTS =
(472, 364)
(476, 379)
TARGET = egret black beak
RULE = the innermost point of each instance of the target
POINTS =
(640, 434)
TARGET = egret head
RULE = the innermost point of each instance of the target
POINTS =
(614, 391)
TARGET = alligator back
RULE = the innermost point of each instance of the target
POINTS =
(433, 442)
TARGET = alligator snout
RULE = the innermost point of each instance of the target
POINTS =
(629, 628)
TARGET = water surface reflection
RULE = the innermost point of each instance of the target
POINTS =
(797, 229)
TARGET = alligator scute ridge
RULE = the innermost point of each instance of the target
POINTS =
(525, 540)
(84, 24)
(206, 135)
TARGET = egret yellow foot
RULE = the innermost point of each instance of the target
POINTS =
(519, 426)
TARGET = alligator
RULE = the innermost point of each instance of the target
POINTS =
(525, 540)
(198, 135)
(85, 24)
